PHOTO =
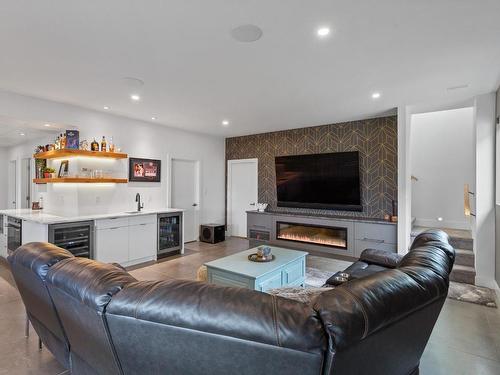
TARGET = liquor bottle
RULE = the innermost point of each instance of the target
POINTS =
(94, 146)
(104, 145)
(111, 145)
(63, 141)
(57, 143)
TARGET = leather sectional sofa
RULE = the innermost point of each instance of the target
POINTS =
(97, 319)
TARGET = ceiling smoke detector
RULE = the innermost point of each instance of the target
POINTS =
(246, 33)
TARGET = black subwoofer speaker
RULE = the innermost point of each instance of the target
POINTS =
(212, 233)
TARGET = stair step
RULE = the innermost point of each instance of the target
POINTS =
(463, 274)
(464, 257)
(462, 243)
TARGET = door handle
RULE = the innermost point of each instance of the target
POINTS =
(252, 204)
(195, 204)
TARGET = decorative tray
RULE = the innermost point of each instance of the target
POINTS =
(258, 259)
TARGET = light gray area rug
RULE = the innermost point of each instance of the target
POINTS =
(315, 278)
(473, 294)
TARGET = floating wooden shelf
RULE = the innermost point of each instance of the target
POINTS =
(82, 180)
(67, 153)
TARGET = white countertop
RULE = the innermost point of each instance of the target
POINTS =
(44, 217)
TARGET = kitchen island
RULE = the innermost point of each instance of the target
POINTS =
(127, 238)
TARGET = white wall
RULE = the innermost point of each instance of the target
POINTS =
(404, 180)
(497, 210)
(3, 178)
(138, 139)
(443, 160)
(484, 118)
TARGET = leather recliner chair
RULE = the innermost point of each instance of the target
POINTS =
(81, 289)
(29, 267)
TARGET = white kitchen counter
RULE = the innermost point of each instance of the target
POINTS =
(43, 217)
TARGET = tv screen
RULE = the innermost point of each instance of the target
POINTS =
(329, 181)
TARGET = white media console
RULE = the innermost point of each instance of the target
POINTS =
(347, 236)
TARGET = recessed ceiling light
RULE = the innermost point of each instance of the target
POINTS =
(153, 118)
(323, 31)
(440, 219)
(135, 97)
(47, 125)
(376, 95)
(106, 107)
(225, 123)
(22, 134)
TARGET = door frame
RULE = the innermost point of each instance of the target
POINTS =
(197, 189)
(25, 185)
(230, 164)
(13, 165)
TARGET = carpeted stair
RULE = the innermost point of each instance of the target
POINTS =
(463, 270)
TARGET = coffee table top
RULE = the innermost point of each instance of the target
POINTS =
(239, 264)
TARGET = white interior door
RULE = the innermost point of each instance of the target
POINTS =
(26, 183)
(185, 195)
(12, 184)
(242, 193)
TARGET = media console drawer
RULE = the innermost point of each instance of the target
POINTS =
(382, 233)
(259, 221)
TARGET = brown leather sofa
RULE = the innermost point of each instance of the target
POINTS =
(111, 323)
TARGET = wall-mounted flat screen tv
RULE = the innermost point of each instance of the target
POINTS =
(327, 181)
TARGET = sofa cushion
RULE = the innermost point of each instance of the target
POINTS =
(38, 257)
(235, 312)
(430, 257)
(430, 235)
(88, 281)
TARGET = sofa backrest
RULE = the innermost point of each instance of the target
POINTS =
(30, 264)
(187, 327)
(81, 290)
(387, 314)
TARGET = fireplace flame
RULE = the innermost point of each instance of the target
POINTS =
(337, 242)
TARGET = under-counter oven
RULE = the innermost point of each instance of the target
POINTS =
(77, 238)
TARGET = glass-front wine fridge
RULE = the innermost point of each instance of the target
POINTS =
(169, 234)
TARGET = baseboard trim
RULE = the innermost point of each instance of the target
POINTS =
(487, 282)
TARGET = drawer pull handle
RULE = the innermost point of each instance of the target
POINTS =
(260, 226)
(373, 240)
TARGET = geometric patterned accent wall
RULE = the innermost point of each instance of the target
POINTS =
(375, 139)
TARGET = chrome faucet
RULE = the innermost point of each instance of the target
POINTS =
(140, 205)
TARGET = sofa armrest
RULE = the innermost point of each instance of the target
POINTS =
(381, 258)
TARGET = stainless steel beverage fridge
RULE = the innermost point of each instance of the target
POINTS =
(169, 234)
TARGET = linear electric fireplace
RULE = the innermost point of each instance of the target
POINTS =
(313, 234)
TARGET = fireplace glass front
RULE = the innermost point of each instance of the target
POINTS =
(312, 234)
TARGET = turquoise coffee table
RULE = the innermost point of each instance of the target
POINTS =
(288, 269)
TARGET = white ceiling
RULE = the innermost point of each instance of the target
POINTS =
(15, 131)
(196, 75)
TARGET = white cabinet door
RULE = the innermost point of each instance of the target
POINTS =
(142, 241)
(112, 245)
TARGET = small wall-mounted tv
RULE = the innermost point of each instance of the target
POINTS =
(326, 181)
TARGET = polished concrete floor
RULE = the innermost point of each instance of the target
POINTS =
(465, 340)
